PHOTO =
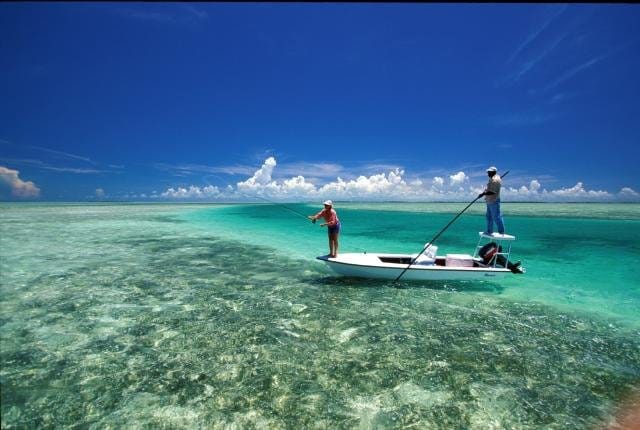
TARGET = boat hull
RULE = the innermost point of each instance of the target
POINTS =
(364, 265)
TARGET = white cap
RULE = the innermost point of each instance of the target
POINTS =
(328, 202)
(492, 169)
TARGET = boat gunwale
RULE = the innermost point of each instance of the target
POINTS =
(417, 267)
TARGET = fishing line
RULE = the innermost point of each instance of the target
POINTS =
(276, 203)
(258, 197)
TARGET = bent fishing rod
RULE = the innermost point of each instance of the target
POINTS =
(413, 260)
(263, 198)
(278, 204)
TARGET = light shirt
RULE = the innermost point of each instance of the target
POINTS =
(494, 185)
(329, 215)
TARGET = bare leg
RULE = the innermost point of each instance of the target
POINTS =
(333, 245)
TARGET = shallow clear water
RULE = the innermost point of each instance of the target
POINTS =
(219, 315)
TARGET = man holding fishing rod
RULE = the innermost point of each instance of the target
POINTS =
(492, 197)
(332, 223)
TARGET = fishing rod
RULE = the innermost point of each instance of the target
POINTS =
(278, 204)
(440, 232)
(263, 198)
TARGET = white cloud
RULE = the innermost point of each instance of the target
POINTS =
(534, 186)
(458, 179)
(192, 192)
(99, 193)
(628, 192)
(578, 191)
(261, 178)
(384, 185)
(390, 185)
(19, 188)
(297, 186)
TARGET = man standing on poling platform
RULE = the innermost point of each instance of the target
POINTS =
(492, 198)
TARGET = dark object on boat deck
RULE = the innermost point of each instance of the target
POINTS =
(492, 251)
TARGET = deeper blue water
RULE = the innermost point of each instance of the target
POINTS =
(191, 316)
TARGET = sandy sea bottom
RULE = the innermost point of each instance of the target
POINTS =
(131, 315)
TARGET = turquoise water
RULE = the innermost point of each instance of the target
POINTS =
(188, 316)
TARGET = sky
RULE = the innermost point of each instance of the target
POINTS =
(308, 101)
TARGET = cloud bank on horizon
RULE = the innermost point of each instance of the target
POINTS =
(385, 186)
(391, 185)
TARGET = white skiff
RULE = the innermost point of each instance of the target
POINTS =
(482, 265)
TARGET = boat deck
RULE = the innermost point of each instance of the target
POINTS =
(389, 266)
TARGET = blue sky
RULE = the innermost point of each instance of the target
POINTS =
(381, 101)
